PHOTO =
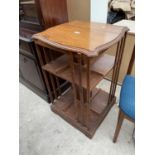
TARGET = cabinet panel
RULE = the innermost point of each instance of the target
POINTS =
(25, 47)
(30, 71)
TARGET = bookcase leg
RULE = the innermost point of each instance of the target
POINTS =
(119, 63)
(118, 58)
(44, 72)
(112, 92)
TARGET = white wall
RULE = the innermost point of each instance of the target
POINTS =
(88, 10)
(99, 9)
(78, 10)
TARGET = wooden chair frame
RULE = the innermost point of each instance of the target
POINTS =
(121, 115)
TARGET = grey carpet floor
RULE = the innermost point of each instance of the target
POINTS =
(42, 132)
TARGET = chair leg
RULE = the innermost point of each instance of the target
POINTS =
(119, 124)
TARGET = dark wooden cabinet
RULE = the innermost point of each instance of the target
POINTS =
(30, 71)
(35, 16)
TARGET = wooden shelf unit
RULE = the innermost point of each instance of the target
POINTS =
(84, 64)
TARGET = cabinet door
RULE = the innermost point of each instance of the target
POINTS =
(30, 71)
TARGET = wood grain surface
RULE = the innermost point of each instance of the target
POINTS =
(84, 37)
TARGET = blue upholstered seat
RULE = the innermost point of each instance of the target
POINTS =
(127, 96)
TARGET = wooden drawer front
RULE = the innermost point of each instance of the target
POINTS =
(25, 47)
(30, 72)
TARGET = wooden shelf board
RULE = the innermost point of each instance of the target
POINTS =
(99, 69)
(103, 65)
(65, 108)
(99, 102)
(62, 70)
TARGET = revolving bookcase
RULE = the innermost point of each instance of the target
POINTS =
(84, 63)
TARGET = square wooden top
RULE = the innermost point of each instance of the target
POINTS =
(84, 37)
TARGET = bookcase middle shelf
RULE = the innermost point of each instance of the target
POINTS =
(98, 69)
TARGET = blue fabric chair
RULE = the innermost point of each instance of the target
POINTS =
(127, 99)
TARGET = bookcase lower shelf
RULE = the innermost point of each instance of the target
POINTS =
(98, 109)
